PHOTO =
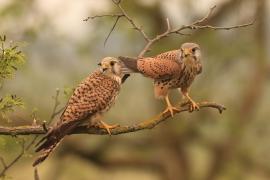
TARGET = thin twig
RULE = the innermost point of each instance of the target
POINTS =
(131, 21)
(56, 104)
(114, 25)
(3, 162)
(206, 17)
(193, 26)
(54, 113)
(197, 24)
(103, 15)
(36, 176)
(118, 16)
(7, 166)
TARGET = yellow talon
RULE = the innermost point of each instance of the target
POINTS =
(170, 107)
(108, 127)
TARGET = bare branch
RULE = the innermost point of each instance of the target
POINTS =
(118, 16)
(36, 176)
(54, 113)
(193, 26)
(131, 21)
(103, 15)
(206, 17)
(3, 162)
(197, 24)
(148, 124)
(7, 166)
(117, 19)
(221, 27)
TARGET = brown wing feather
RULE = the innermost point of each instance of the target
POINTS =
(158, 68)
(170, 55)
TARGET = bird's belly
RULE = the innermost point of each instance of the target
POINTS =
(184, 81)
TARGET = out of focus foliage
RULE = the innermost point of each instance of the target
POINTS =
(10, 60)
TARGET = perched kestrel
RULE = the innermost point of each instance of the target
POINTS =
(93, 96)
(170, 70)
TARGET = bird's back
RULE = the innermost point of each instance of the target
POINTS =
(95, 94)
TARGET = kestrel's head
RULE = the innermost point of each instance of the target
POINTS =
(190, 51)
(110, 66)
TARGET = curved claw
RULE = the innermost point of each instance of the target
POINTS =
(194, 106)
(171, 109)
(108, 127)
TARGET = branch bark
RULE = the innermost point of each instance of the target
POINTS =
(147, 124)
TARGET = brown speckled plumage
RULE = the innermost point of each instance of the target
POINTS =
(170, 70)
(92, 97)
(95, 94)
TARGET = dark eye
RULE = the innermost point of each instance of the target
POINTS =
(112, 63)
(194, 50)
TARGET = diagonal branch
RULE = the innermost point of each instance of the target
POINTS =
(118, 16)
(114, 25)
(7, 166)
(131, 21)
(148, 124)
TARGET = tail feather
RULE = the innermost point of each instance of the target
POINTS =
(129, 65)
(45, 153)
(48, 143)
(124, 78)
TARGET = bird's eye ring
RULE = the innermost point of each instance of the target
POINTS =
(112, 63)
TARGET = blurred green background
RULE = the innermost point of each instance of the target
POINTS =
(61, 49)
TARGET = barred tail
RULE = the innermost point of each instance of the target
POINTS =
(129, 65)
(53, 138)
(45, 153)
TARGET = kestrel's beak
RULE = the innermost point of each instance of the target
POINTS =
(187, 52)
(104, 66)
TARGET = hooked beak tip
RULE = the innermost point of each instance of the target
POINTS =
(104, 69)
(186, 55)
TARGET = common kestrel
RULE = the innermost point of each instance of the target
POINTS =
(93, 96)
(170, 70)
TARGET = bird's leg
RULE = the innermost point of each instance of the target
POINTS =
(97, 122)
(169, 106)
(108, 127)
(193, 104)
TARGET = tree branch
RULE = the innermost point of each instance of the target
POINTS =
(197, 24)
(148, 124)
(193, 26)
(7, 166)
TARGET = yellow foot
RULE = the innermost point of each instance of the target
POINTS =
(107, 127)
(171, 109)
(193, 106)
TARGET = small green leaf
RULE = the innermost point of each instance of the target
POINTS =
(8, 103)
